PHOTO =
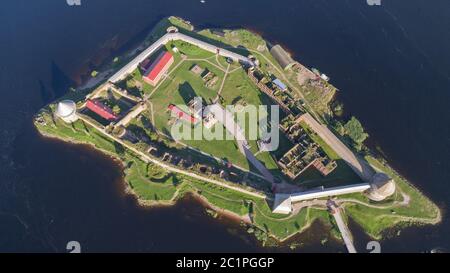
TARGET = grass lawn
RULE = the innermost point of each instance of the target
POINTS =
(240, 89)
(181, 86)
(140, 176)
(179, 89)
(192, 51)
(374, 220)
(151, 182)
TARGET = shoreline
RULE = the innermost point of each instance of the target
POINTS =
(203, 200)
(143, 203)
(223, 212)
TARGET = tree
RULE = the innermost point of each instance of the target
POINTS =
(355, 131)
(116, 109)
(338, 108)
(339, 128)
(131, 84)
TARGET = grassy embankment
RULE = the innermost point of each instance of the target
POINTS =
(398, 212)
(418, 210)
(183, 85)
(152, 183)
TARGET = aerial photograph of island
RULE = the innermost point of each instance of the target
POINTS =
(225, 126)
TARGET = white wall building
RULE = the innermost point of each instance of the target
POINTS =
(283, 202)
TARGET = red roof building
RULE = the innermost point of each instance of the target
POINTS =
(101, 109)
(181, 115)
(155, 70)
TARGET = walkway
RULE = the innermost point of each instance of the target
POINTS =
(131, 66)
(345, 232)
(227, 119)
(222, 84)
(359, 165)
(170, 168)
(232, 126)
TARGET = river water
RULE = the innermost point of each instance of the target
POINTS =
(390, 63)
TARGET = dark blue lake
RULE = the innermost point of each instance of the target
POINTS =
(390, 62)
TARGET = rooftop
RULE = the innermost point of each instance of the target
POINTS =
(100, 109)
(157, 66)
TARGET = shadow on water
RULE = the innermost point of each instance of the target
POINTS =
(70, 192)
(60, 82)
(46, 94)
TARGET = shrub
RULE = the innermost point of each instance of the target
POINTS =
(355, 131)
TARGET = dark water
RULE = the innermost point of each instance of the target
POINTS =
(390, 62)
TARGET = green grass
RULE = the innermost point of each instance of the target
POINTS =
(151, 182)
(224, 149)
(142, 185)
(182, 86)
(342, 175)
(191, 50)
(375, 221)
(239, 88)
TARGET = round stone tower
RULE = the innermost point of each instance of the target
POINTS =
(381, 187)
(172, 29)
(67, 111)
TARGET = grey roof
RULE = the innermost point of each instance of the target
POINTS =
(283, 58)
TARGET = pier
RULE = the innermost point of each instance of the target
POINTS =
(343, 228)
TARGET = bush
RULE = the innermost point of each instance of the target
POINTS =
(339, 128)
(116, 109)
(338, 109)
(355, 131)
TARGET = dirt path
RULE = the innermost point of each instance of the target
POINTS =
(359, 165)
(222, 84)
(147, 158)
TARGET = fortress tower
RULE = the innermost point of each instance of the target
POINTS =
(381, 187)
(67, 111)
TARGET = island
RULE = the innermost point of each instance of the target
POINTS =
(320, 169)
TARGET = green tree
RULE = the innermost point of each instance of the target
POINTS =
(338, 109)
(116, 109)
(339, 128)
(355, 131)
(131, 84)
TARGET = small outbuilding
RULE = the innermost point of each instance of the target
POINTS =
(196, 69)
(280, 84)
(153, 71)
(283, 58)
(218, 32)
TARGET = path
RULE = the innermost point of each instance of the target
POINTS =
(345, 232)
(343, 228)
(240, 137)
(147, 158)
(132, 65)
(227, 119)
(222, 84)
(359, 165)
(208, 61)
